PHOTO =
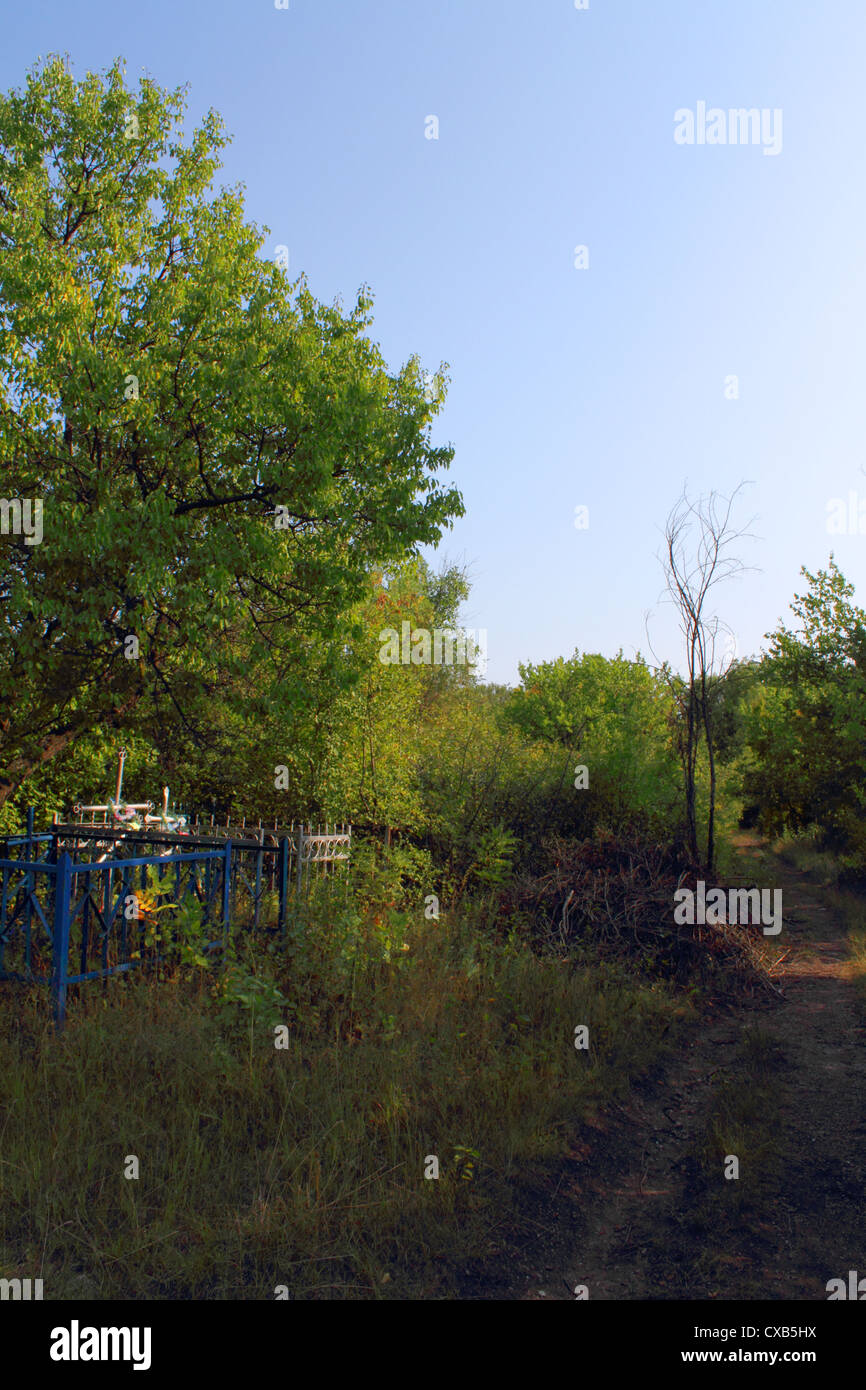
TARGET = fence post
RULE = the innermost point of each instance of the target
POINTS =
(300, 854)
(30, 885)
(227, 883)
(62, 922)
(284, 882)
(85, 923)
(259, 858)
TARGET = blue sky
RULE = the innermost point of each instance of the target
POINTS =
(603, 387)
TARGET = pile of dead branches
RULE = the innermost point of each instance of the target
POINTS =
(616, 895)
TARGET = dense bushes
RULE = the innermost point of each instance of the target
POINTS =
(803, 765)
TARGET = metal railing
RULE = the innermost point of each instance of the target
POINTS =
(76, 899)
(50, 911)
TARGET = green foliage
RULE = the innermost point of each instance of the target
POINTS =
(371, 773)
(240, 991)
(614, 716)
(221, 458)
(85, 771)
(805, 722)
(399, 875)
(177, 931)
(494, 856)
(729, 700)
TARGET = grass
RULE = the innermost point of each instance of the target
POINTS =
(851, 907)
(825, 868)
(300, 1168)
(724, 1215)
(803, 852)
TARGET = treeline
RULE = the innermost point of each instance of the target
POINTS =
(470, 782)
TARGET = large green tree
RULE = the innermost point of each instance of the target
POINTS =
(221, 459)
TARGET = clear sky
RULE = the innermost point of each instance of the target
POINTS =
(605, 387)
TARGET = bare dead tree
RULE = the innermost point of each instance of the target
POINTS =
(696, 557)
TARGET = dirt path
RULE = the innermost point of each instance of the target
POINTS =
(644, 1211)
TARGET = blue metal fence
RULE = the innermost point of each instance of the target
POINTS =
(51, 913)
(68, 905)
